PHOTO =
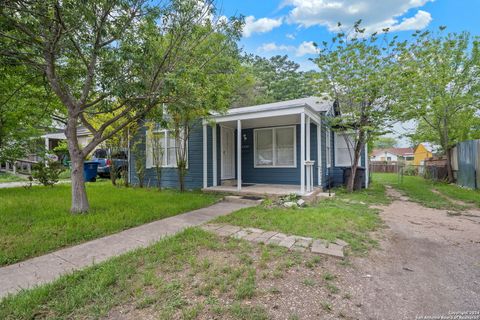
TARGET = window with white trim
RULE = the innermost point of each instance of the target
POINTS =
(275, 147)
(166, 143)
(344, 150)
(328, 144)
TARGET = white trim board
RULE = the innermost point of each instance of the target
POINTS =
(222, 159)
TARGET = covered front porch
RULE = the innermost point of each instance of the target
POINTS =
(270, 151)
(260, 190)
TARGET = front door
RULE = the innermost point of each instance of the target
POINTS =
(228, 153)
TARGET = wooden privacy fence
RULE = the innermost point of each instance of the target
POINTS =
(384, 167)
(433, 169)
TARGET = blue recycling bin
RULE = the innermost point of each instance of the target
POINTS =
(90, 171)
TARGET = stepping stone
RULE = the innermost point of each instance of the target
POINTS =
(303, 241)
(264, 237)
(294, 243)
(227, 230)
(298, 248)
(241, 234)
(288, 242)
(341, 243)
(331, 249)
(276, 239)
(252, 236)
(254, 230)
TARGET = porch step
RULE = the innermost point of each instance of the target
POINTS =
(244, 199)
(229, 183)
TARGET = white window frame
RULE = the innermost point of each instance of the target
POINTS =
(166, 133)
(338, 136)
(328, 148)
(274, 140)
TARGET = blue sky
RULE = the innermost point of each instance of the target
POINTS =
(289, 26)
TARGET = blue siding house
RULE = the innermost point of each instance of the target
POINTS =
(285, 144)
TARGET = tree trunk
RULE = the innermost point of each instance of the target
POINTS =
(158, 169)
(181, 177)
(79, 194)
(450, 177)
(356, 157)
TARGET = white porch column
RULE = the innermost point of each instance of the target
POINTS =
(302, 153)
(307, 132)
(308, 137)
(47, 149)
(214, 154)
(239, 155)
(205, 157)
(319, 153)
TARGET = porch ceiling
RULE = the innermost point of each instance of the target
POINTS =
(265, 122)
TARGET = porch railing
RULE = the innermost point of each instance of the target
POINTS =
(309, 165)
(18, 166)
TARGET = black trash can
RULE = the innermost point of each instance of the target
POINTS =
(360, 177)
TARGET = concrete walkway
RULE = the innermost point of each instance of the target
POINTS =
(18, 184)
(49, 267)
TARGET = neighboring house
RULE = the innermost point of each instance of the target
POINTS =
(53, 139)
(392, 154)
(282, 143)
(422, 152)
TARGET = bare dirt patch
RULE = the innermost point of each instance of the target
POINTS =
(287, 285)
(429, 264)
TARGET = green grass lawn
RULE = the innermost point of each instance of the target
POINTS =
(329, 219)
(192, 275)
(458, 193)
(8, 177)
(420, 190)
(37, 220)
(177, 277)
(375, 194)
(196, 274)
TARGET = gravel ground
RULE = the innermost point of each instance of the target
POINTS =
(428, 264)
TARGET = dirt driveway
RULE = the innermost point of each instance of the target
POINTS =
(428, 264)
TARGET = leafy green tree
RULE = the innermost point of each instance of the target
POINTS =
(440, 89)
(384, 142)
(115, 57)
(203, 90)
(26, 106)
(358, 72)
(271, 80)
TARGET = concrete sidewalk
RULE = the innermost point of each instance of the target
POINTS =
(19, 184)
(49, 267)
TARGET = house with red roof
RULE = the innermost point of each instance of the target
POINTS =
(392, 154)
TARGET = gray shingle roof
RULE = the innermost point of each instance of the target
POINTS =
(319, 104)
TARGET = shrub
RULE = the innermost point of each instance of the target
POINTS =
(410, 170)
(47, 174)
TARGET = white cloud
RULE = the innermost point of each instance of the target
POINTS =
(421, 20)
(261, 25)
(375, 14)
(303, 49)
(273, 47)
(290, 36)
(306, 47)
